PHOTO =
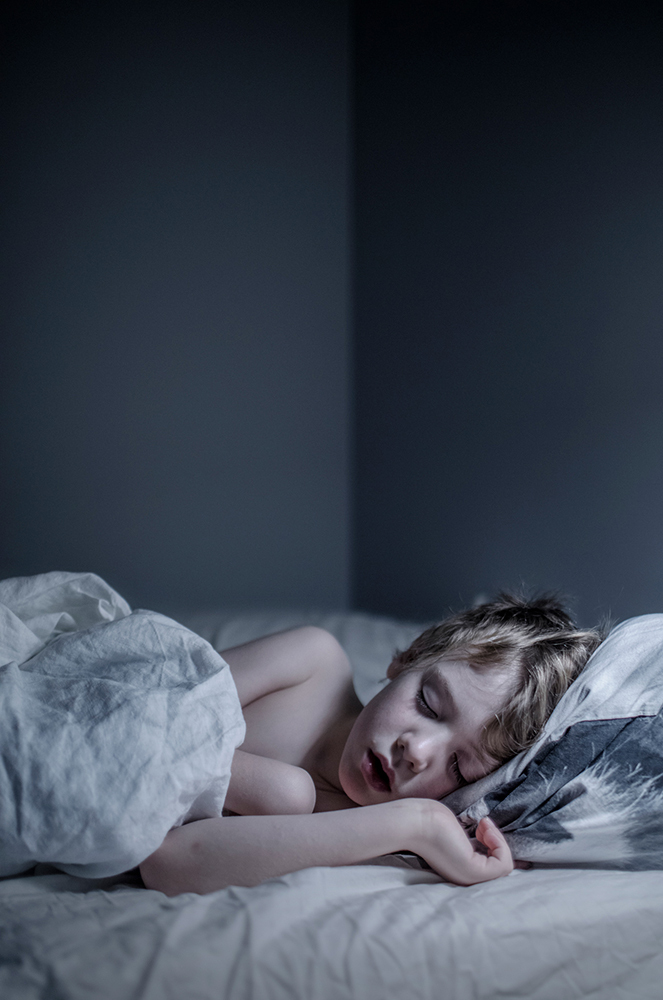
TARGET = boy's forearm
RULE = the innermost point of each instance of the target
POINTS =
(244, 850)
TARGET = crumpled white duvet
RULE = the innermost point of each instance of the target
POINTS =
(114, 726)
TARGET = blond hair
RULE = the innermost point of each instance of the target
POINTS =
(537, 636)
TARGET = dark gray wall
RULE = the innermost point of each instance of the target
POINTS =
(509, 277)
(174, 378)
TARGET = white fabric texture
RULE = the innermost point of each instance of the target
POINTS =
(349, 933)
(114, 726)
(381, 932)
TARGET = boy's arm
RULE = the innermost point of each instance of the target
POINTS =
(284, 660)
(262, 786)
(293, 687)
(244, 850)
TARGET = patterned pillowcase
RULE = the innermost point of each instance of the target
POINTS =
(590, 791)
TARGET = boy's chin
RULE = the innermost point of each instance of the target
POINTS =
(364, 795)
(356, 790)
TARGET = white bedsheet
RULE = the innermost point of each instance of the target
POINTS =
(366, 933)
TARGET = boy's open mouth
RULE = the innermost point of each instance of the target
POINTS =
(376, 773)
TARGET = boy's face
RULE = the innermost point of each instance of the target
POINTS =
(418, 737)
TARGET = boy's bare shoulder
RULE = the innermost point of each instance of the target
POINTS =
(285, 660)
(297, 697)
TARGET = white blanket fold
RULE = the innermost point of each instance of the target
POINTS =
(114, 727)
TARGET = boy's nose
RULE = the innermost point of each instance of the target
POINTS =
(418, 764)
(416, 751)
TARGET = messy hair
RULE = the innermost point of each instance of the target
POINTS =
(536, 636)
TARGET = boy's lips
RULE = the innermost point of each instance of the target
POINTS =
(377, 772)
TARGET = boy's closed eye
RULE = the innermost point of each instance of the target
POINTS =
(424, 705)
(455, 768)
(427, 710)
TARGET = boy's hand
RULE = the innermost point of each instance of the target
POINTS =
(443, 843)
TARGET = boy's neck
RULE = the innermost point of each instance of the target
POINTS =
(324, 758)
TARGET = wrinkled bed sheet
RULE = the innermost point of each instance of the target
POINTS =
(371, 932)
(366, 933)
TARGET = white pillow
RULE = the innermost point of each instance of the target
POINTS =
(370, 641)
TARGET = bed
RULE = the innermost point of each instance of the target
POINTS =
(375, 931)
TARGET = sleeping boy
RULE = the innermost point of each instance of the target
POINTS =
(321, 780)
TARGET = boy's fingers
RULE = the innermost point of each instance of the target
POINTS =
(489, 834)
(492, 837)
